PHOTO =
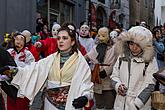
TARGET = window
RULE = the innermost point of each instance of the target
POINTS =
(115, 4)
(66, 13)
(102, 1)
(145, 3)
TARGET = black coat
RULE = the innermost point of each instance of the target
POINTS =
(7, 60)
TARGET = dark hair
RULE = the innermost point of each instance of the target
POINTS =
(66, 24)
(72, 34)
(155, 30)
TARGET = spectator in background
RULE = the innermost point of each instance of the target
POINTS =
(40, 25)
(44, 33)
(35, 38)
(159, 46)
(163, 33)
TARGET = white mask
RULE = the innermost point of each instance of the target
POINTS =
(55, 29)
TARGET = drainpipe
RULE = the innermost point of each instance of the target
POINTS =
(48, 14)
(89, 14)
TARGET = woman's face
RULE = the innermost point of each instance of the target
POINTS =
(158, 34)
(64, 41)
(19, 41)
(134, 48)
(163, 30)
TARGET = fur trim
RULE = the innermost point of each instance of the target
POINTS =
(139, 35)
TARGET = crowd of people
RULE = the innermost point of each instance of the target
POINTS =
(113, 69)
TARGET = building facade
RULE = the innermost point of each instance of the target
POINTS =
(99, 11)
(22, 14)
(142, 10)
(159, 12)
(62, 11)
(119, 13)
(17, 15)
(94, 12)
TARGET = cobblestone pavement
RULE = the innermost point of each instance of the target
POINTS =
(37, 102)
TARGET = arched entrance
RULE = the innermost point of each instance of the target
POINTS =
(112, 20)
(93, 16)
(101, 18)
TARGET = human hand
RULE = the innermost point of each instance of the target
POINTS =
(10, 70)
(4, 68)
(38, 45)
(4, 77)
(80, 102)
(122, 90)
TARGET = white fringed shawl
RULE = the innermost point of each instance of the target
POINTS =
(30, 79)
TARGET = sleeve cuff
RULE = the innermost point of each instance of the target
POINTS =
(89, 105)
(138, 103)
(117, 86)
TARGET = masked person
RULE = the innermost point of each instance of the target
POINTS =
(29, 44)
(104, 54)
(66, 73)
(132, 73)
(48, 45)
(55, 29)
(85, 40)
(22, 56)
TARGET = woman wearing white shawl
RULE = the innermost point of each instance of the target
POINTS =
(66, 67)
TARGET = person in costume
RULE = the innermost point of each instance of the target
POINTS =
(132, 73)
(6, 60)
(114, 35)
(22, 56)
(65, 72)
(73, 27)
(29, 44)
(85, 39)
(49, 45)
(55, 29)
(104, 54)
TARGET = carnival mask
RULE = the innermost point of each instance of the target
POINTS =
(84, 30)
(103, 35)
(55, 29)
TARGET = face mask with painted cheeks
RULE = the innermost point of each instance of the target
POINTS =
(84, 30)
(19, 42)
